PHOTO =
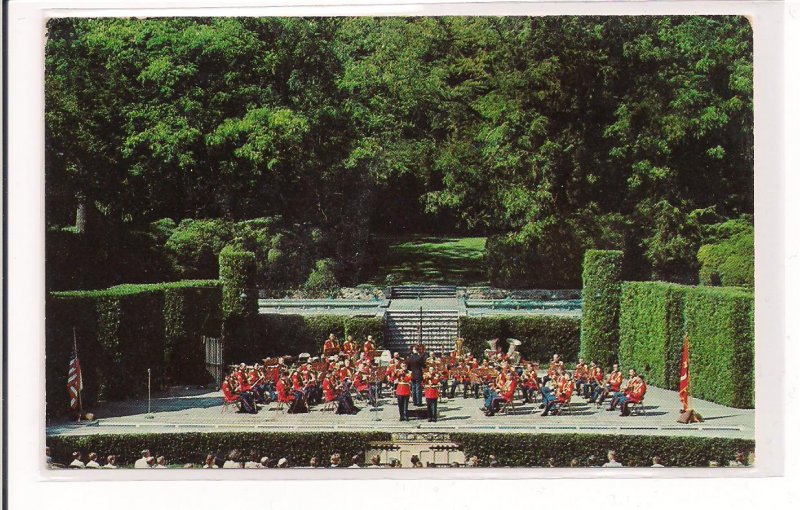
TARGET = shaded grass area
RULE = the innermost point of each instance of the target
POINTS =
(428, 259)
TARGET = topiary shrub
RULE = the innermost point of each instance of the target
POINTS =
(651, 330)
(602, 273)
(729, 262)
(237, 272)
(541, 335)
(322, 280)
(720, 326)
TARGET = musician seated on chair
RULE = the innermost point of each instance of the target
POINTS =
(633, 394)
(529, 383)
(595, 381)
(611, 386)
(564, 386)
(507, 395)
(243, 399)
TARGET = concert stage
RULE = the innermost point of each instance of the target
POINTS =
(196, 410)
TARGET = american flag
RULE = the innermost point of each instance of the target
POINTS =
(74, 381)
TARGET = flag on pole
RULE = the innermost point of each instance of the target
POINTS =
(683, 387)
(74, 381)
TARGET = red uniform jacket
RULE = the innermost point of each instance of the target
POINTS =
(432, 387)
(403, 385)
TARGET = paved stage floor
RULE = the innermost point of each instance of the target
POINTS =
(198, 410)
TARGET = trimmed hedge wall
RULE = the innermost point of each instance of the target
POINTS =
(180, 448)
(516, 450)
(602, 278)
(532, 450)
(541, 335)
(720, 324)
(237, 271)
(651, 331)
(124, 330)
(281, 334)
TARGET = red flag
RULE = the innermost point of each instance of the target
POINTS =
(74, 382)
(683, 387)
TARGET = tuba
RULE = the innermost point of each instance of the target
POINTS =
(514, 357)
(491, 352)
(459, 348)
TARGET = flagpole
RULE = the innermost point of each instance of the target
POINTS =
(80, 389)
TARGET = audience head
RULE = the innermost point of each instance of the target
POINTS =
(283, 463)
(76, 455)
(375, 460)
(612, 455)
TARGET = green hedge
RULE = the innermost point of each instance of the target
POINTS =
(124, 330)
(292, 334)
(180, 448)
(237, 271)
(651, 330)
(602, 274)
(516, 450)
(541, 335)
(720, 325)
(532, 450)
(730, 262)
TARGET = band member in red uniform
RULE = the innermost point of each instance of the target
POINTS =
(369, 347)
(349, 347)
(634, 395)
(507, 395)
(403, 391)
(331, 347)
(431, 384)
(613, 383)
(595, 380)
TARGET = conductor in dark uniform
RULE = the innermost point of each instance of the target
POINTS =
(416, 364)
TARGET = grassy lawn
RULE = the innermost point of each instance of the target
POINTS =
(426, 259)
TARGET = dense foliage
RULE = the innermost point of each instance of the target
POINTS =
(602, 278)
(551, 135)
(180, 448)
(651, 330)
(122, 331)
(541, 335)
(720, 324)
(510, 449)
(731, 260)
(534, 450)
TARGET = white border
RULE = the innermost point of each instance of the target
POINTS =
(26, 22)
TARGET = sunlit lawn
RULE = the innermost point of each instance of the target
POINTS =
(426, 259)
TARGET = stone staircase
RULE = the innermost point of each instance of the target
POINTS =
(423, 291)
(439, 329)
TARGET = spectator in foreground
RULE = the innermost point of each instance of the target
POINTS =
(738, 461)
(574, 463)
(375, 461)
(283, 463)
(161, 462)
(77, 463)
(336, 460)
(253, 463)
(92, 464)
(591, 461)
(233, 460)
(111, 462)
(209, 463)
(551, 462)
(354, 462)
(474, 462)
(143, 462)
(657, 462)
(612, 460)
(265, 462)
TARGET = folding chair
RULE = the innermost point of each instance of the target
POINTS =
(638, 408)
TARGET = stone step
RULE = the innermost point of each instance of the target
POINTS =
(423, 291)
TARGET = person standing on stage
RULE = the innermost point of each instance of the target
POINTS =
(403, 390)
(432, 381)
(415, 364)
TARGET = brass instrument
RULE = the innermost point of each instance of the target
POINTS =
(514, 357)
(459, 348)
(491, 352)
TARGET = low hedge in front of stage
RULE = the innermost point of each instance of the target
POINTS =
(541, 335)
(183, 447)
(651, 331)
(281, 334)
(720, 325)
(510, 449)
(534, 450)
(124, 330)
